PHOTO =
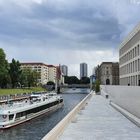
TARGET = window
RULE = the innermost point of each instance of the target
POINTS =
(107, 72)
(135, 52)
(11, 117)
(138, 50)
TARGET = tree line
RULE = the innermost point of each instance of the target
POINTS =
(12, 76)
(74, 80)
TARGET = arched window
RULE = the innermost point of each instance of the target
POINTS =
(107, 82)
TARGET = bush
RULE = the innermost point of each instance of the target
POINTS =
(97, 86)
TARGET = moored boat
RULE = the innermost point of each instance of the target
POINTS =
(15, 112)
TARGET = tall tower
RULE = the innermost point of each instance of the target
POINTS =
(64, 70)
(83, 70)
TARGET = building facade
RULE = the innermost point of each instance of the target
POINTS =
(41, 68)
(64, 70)
(83, 70)
(108, 73)
(46, 72)
(129, 59)
(52, 73)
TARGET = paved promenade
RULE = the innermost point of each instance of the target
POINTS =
(100, 121)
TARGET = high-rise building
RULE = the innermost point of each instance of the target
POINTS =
(83, 70)
(129, 57)
(64, 70)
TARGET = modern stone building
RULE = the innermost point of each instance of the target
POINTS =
(129, 58)
(83, 70)
(108, 73)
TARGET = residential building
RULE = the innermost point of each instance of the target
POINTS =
(83, 70)
(52, 73)
(46, 72)
(64, 70)
(129, 58)
(41, 68)
(108, 73)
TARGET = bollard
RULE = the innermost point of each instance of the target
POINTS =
(106, 96)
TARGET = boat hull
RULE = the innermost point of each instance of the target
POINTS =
(38, 114)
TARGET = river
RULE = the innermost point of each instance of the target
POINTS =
(39, 127)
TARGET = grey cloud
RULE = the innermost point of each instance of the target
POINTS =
(43, 22)
(55, 28)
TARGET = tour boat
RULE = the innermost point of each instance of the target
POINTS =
(15, 112)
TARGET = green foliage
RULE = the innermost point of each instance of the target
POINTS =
(85, 80)
(72, 80)
(75, 80)
(4, 75)
(15, 73)
(29, 78)
(19, 91)
(97, 86)
(11, 74)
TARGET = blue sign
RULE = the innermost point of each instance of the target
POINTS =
(92, 78)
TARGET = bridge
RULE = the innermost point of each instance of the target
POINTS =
(76, 86)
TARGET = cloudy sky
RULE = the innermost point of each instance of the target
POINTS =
(66, 31)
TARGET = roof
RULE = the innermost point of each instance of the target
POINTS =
(51, 66)
(109, 63)
(37, 63)
(33, 63)
(130, 35)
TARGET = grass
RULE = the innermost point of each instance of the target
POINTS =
(18, 91)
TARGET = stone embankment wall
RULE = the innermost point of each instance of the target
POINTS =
(59, 128)
(127, 97)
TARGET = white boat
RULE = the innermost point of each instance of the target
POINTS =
(16, 112)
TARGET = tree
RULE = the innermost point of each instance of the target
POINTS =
(71, 80)
(15, 73)
(85, 80)
(4, 75)
(97, 86)
(29, 77)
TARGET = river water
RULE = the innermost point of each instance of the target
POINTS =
(37, 128)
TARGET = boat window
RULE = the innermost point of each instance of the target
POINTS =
(11, 117)
(35, 110)
(61, 100)
(20, 114)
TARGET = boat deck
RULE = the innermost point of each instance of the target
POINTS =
(14, 105)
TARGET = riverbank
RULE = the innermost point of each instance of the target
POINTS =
(20, 91)
(37, 128)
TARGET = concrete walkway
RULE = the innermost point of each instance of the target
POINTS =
(100, 121)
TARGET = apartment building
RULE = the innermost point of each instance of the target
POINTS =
(129, 58)
(52, 73)
(41, 68)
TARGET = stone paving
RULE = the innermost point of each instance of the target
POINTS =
(100, 121)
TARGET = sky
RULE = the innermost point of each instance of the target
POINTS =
(66, 31)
